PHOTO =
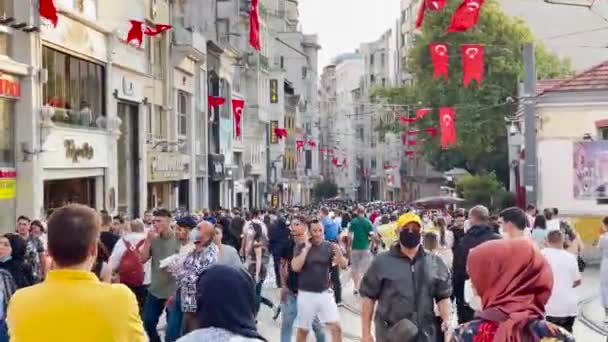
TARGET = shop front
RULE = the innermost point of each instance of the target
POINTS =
(74, 168)
(168, 180)
(9, 94)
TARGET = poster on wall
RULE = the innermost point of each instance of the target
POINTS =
(8, 184)
(590, 161)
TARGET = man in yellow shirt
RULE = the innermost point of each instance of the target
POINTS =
(72, 304)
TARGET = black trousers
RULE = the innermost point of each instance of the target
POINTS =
(564, 322)
(277, 269)
(140, 292)
(336, 284)
(464, 311)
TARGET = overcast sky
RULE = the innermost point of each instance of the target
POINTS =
(344, 24)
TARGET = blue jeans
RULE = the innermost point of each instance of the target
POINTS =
(153, 309)
(174, 321)
(289, 311)
(3, 331)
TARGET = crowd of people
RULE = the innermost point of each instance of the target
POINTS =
(87, 276)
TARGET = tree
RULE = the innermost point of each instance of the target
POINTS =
(480, 112)
(482, 189)
(325, 189)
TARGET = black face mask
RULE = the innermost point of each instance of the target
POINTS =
(409, 238)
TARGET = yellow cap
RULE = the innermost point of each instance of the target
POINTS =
(407, 218)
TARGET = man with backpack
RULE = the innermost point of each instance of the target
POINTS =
(126, 263)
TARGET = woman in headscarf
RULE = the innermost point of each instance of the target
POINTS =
(226, 307)
(514, 282)
(12, 259)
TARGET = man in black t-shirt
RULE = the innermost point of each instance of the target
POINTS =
(289, 281)
(107, 238)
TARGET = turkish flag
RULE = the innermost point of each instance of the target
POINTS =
(334, 161)
(48, 11)
(312, 143)
(237, 109)
(411, 142)
(439, 57)
(299, 147)
(135, 32)
(448, 130)
(432, 131)
(215, 101)
(280, 133)
(472, 63)
(406, 120)
(431, 5)
(466, 15)
(160, 28)
(422, 112)
(254, 26)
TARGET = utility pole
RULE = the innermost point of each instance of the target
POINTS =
(529, 96)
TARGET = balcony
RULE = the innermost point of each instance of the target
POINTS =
(258, 60)
(189, 40)
(84, 118)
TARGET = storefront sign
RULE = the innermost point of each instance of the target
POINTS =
(273, 136)
(167, 167)
(8, 184)
(9, 87)
(74, 152)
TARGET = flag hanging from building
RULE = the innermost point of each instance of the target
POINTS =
(312, 143)
(472, 63)
(439, 57)
(432, 131)
(299, 147)
(254, 26)
(216, 101)
(465, 16)
(281, 133)
(49, 11)
(136, 32)
(160, 28)
(430, 5)
(237, 109)
(411, 142)
(406, 120)
(448, 130)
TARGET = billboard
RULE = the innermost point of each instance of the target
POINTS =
(590, 162)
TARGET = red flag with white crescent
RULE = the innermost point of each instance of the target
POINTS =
(439, 57)
(466, 15)
(406, 120)
(428, 5)
(237, 109)
(422, 112)
(254, 26)
(136, 32)
(448, 130)
(472, 63)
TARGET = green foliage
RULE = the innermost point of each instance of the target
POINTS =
(482, 189)
(325, 189)
(480, 127)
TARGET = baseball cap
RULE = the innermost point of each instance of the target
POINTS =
(407, 218)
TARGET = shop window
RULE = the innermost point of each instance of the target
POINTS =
(7, 133)
(183, 102)
(75, 88)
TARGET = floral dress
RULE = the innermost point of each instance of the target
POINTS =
(194, 264)
(483, 331)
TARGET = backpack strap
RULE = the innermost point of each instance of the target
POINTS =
(127, 244)
(140, 243)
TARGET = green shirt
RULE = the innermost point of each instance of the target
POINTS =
(162, 284)
(360, 227)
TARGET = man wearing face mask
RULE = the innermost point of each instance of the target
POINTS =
(403, 285)
(480, 232)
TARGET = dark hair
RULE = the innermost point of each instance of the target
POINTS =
(540, 222)
(162, 213)
(441, 224)
(530, 207)
(516, 216)
(18, 245)
(119, 219)
(605, 221)
(23, 217)
(430, 241)
(548, 214)
(325, 211)
(555, 211)
(257, 228)
(385, 219)
(555, 237)
(71, 231)
(37, 224)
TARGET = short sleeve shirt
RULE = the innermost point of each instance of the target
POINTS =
(314, 276)
(360, 227)
(162, 285)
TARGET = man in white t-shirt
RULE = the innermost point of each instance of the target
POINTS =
(562, 307)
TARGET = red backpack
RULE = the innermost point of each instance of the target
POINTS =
(130, 269)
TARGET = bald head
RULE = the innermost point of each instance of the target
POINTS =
(206, 232)
(479, 215)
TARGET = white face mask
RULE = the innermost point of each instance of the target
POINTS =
(471, 297)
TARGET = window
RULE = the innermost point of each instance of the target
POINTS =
(150, 120)
(157, 53)
(182, 112)
(73, 85)
(159, 122)
(382, 61)
(304, 72)
(371, 60)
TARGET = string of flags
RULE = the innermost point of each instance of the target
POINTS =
(472, 62)
(465, 16)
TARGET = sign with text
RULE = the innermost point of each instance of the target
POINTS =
(8, 184)
(274, 91)
(166, 166)
(273, 136)
(9, 87)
